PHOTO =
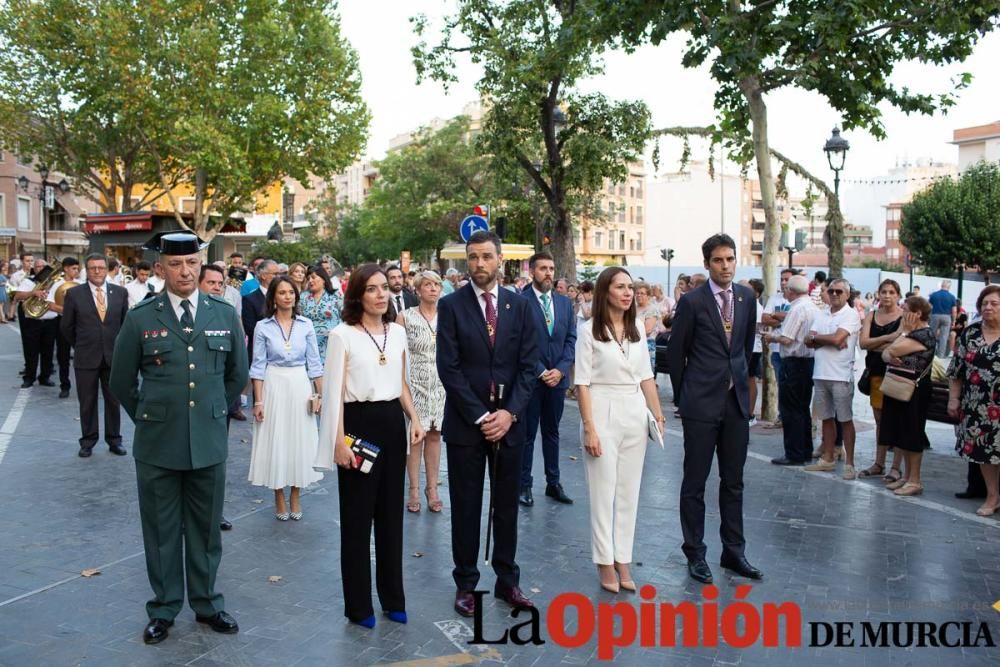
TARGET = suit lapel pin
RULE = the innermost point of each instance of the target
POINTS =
(163, 332)
(507, 307)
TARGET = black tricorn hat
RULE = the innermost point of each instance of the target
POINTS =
(174, 243)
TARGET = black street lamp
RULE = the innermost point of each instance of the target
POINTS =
(45, 202)
(836, 148)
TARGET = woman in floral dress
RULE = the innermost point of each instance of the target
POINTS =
(974, 396)
(425, 385)
(321, 304)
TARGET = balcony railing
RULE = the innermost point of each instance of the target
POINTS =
(757, 248)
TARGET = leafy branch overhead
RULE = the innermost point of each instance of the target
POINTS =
(533, 54)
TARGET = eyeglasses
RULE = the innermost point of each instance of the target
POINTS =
(834, 291)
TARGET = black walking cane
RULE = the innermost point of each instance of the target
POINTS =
(498, 402)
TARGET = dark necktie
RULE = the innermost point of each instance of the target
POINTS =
(187, 322)
(491, 317)
(399, 303)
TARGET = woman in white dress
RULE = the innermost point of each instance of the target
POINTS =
(612, 370)
(428, 392)
(285, 372)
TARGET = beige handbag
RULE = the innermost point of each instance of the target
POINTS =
(899, 383)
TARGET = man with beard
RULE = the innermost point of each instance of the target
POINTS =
(489, 379)
(556, 329)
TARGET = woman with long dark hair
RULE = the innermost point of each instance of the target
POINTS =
(322, 304)
(612, 370)
(285, 362)
(366, 400)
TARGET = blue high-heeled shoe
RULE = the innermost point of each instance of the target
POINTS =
(396, 616)
(366, 622)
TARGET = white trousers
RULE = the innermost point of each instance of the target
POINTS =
(619, 413)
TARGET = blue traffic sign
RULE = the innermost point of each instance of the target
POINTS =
(471, 225)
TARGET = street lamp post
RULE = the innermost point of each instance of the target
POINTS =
(46, 201)
(836, 148)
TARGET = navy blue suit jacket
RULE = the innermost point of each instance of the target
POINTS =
(468, 365)
(559, 349)
(702, 362)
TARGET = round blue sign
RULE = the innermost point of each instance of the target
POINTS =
(471, 225)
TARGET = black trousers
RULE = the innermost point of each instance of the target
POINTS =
(546, 406)
(40, 343)
(88, 383)
(794, 400)
(467, 465)
(726, 438)
(975, 482)
(23, 328)
(373, 497)
(62, 355)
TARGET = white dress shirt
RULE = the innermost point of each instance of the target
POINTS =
(175, 303)
(495, 291)
(796, 327)
(398, 302)
(137, 291)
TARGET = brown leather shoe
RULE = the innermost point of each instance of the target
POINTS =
(513, 596)
(238, 415)
(465, 603)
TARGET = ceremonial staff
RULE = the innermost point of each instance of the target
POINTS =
(497, 404)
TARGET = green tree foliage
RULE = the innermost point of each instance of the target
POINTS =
(845, 51)
(425, 190)
(956, 223)
(533, 54)
(225, 97)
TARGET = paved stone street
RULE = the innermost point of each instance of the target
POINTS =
(844, 551)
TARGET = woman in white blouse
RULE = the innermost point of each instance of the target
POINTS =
(366, 399)
(285, 361)
(612, 368)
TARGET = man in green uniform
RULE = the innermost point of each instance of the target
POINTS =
(187, 347)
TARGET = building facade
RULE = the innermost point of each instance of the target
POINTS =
(355, 183)
(617, 234)
(33, 221)
(895, 251)
(976, 144)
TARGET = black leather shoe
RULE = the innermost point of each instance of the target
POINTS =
(465, 604)
(742, 567)
(221, 622)
(46, 383)
(64, 393)
(84, 452)
(966, 495)
(526, 498)
(238, 415)
(782, 461)
(513, 596)
(156, 631)
(26, 384)
(555, 491)
(700, 571)
(117, 450)
(225, 524)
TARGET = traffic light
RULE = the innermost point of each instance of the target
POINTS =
(670, 254)
(663, 254)
(547, 236)
(483, 210)
(501, 227)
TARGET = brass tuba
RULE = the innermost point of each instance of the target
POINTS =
(35, 307)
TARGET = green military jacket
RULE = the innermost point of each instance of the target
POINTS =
(188, 380)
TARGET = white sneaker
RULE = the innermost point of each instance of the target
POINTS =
(821, 466)
(849, 473)
(753, 421)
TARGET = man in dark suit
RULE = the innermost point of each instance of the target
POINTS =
(556, 328)
(709, 356)
(253, 303)
(401, 298)
(92, 316)
(487, 356)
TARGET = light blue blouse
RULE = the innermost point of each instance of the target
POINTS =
(269, 347)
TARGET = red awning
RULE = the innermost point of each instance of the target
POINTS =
(121, 226)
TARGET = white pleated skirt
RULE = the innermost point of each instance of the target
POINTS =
(284, 444)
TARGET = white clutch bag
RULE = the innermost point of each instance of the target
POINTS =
(653, 429)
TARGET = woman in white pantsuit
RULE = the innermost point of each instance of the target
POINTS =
(612, 370)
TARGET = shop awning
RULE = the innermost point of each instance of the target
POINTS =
(510, 251)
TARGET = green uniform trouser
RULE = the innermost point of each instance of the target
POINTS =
(180, 511)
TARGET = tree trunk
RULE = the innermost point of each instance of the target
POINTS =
(772, 231)
(562, 248)
(835, 225)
